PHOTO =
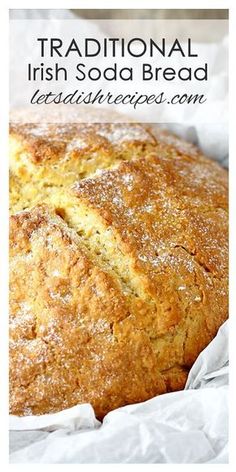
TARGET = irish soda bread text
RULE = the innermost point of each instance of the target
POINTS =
(118, 264)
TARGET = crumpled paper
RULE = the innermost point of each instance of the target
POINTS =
(189, 426)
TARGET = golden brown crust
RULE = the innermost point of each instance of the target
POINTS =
(112, 305)
(52, 155)
(48, 141)
(170, 237)
(73, 149)
(56, 155)
(64, 307)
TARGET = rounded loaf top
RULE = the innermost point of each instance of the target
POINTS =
(118, 272)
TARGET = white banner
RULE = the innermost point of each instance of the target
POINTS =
(144, 69)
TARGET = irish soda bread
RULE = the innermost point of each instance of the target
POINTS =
(118, 266)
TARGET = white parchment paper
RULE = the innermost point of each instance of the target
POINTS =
(190, 426)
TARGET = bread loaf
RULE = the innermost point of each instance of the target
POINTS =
(118, 264)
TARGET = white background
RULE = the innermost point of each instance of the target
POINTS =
(25, 49)
(4, 202)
